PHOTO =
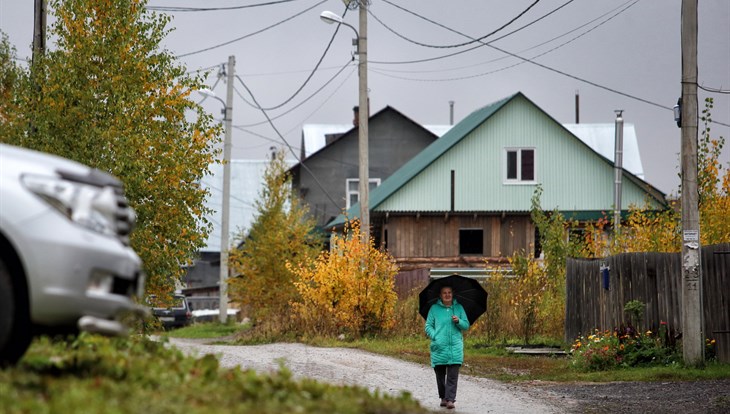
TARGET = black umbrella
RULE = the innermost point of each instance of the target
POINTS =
(467, 291)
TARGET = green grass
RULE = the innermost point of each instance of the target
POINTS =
(207, 330)
(92, 374)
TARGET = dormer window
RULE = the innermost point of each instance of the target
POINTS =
(519, 165)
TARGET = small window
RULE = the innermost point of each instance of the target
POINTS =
(520, 164)
(471, 241)
(353, 191)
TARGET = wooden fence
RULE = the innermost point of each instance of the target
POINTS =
(594, 301)
(407, 281)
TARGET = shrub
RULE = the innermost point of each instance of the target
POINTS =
(351, 287)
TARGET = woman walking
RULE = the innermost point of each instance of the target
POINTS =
(444, 325)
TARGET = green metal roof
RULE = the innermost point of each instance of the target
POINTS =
(425, 158)
(415, 173)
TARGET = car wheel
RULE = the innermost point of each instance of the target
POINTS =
(15, 332)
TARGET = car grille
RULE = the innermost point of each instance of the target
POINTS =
(124, 215)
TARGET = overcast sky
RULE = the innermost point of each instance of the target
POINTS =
(632, 47)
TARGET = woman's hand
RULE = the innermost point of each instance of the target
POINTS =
(454, 318)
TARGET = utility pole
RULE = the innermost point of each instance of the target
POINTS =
(693, 344)
(39, 28)
(364, 115)
(225, 210)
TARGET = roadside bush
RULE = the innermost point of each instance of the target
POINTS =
(349, 288)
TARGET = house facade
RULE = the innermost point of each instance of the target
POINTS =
(466, 198)
(327, 179)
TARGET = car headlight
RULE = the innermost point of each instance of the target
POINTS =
(87, 205)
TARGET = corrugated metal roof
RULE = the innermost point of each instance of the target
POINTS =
(592, 138)
(247, 179)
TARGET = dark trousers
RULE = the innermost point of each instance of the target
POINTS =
(447, 376)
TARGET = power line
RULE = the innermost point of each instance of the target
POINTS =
(540, 64)
(204, 9)
(324, 190)
(627, 95)
(522, 62)
(458, 44)
(714, 90)
(321, 58)
(251, 34)
(470, 49)
(349, 63)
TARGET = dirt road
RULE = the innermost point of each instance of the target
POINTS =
(376, 372)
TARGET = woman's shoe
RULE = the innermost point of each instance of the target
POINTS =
(443, 402)
(450, 405)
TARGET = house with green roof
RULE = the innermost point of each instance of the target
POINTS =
(467, 196)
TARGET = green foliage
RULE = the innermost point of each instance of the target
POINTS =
(10, 75)
(627, 348)
(534, 301)
(109, 96)
(350, 288)
(92, 374)
(282, 233)
(208, 330)
(635, 310)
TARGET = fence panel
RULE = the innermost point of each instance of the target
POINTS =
(655, 280)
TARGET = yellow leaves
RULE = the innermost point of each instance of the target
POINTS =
(351, 287)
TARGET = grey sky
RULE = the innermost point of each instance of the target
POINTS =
(637, 52)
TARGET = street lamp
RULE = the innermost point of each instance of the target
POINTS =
(226, 198)
(363, 113)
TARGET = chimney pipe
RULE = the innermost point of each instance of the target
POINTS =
(618, 170)
(451, 112)
(577, 107)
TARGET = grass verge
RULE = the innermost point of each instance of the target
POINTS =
(92, 374)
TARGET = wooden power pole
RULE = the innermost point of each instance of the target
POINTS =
(39, 28)
(693, 342)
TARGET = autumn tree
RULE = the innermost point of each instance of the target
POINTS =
(10, 76)
(282, 232)
(349, 288)
(108, 95)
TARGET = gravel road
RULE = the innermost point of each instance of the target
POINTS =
(376, 372)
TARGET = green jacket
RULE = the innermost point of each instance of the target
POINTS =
(447, 343)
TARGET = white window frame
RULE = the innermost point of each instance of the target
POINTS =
(356, 192)
(505, 166)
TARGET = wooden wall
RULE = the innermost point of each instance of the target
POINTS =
(437, 236)
(655, 280)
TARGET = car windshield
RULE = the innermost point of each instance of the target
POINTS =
(177, 302)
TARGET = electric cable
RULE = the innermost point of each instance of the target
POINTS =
(349, 63)
(381, 72)
(470, 49)
(251, 34)
(458, 44)
(544, 66)
(321, 187)
(203, 9)
(306, 81)
(714, 90)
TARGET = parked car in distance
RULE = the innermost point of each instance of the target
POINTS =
(65, 260)
(171, 314)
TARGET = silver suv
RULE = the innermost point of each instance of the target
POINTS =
(65, 260)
